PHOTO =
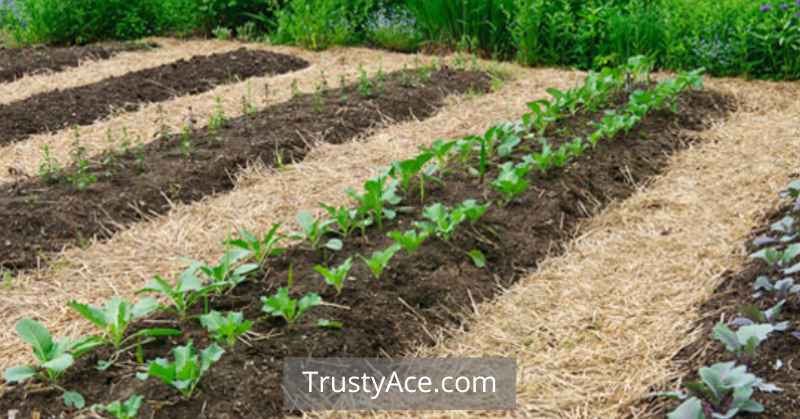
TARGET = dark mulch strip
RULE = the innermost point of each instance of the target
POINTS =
(736, 290)
(421, 293)
(39, 218)
(18, 62)
(59, 109)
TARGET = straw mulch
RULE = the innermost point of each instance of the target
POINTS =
(594, 329)
(23, 158)
(123, 264)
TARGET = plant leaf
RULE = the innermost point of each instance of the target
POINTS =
(18, 374)
(37, 336)
(478, 258)
(690, 409)
(60, 363)
(74, 399)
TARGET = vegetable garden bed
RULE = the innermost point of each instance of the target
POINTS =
(98, 196)
(59, 109)
(761, 301)
(18, 62)
(469, 252)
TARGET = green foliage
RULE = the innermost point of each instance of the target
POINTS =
(225, 329)
(116, 316)
(53, 356)
(186, 371)
(259, 249)
(229, 272)
(50, 170)
(318, 24)
(346, 219)
(410, 240)
(511, 182)
(725, 390)
(379, 194)
(283, 305)
(379, 260)
(745, 341)
(335, 276)
(128, 409)
(313, 231)
(187, 290)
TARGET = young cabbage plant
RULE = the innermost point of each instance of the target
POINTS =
(53, 356)
(472, 210)
(128, 409)
(379, 260)
(512, 182)
(776, 257)
(335, 276)
(117, 315)
(443, 222)
(782, 288)
(724, 391)
(543, 113)
(228, 273)
(441, 153)
(406, 170)
(410, 240)
(745, 341)
(260, 249)
(379, 193)
(786, 229)
(793, 192)
(283, 305)
(186, 291)
(226, 329)
(314, 230)
(186, 371)
(752, 315)
(544, 160)
(346, 219)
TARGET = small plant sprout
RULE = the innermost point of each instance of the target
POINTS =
(443, 222)
(81, 178)
(745, 341)
(406, 170)
(782, 288)
(54, 358)
(441, 152)
(313, 230)
(281, 304)
(364, 84)
(295, 88)
(511, 181)
(410, 240)
(218, 118)
(379, 260)
(776, 257)
(49, 169)
(478, 258)
(128, 409)
(752, 315)
(116, 316)
(184, 293)
(335, 276)
(225, 329)
(260, 249)
(186, 371)
(186, 146)
(724, 391)
(228, 273)
(248, 108)
(472, 210)
(346, 219)
(793, 192)
(329, 324)
(378, 193)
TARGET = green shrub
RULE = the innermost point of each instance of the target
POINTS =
(318, 24)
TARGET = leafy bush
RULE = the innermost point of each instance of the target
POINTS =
(318, 24)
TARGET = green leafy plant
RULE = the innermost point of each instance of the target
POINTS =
(187, 290)
(80, 177)
(478, 258)
(313, 231)
(442, 221)
(364, 84)
(222, 33)
(379, 192)
(752, 315)
(218, 119)
(283, 305)
(724, 391)
(745, 341)
(128, 409)
(346, 219)
(410, 240)
(379, 260)
(225, 329)
(260, 249)
(512, 182)
(53, 356)
(228, 272)
(472, 210)
(50, 170)
(782, 288)
(777, 257)
(406, 170)
(335, 276)
(117, 315)
(186, 371)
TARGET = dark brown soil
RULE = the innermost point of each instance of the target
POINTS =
(18, 62)
(39, 218)
(420, 294)
(735, 291)
(57, 109)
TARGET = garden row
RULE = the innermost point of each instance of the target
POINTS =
(427, 238)
(55, 110)
(96, 196)
(746, 359)
(19, 62)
